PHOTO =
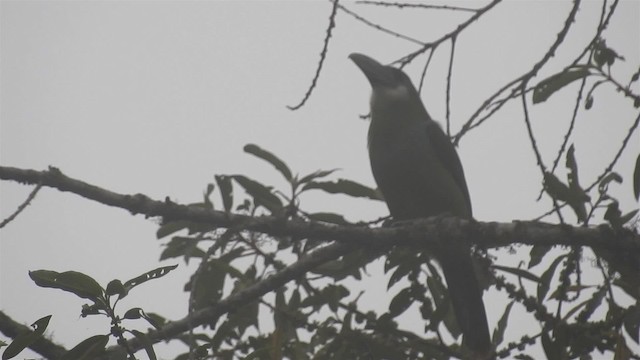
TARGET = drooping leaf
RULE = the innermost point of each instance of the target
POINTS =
(622, 351)
(171, 227)
(87, 349)
(226, 191)
(270, 158)
(24, 340)
(74, 282)
(521, 273)
(536, 254)
(346, 187)
(552, 348)
(261, 194)
(501, 327)
(547, 276)
(182, 246)
(550, 85)
(150, 275)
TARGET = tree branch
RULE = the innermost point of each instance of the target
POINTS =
(415, 233)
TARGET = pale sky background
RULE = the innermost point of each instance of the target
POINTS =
(157, 97)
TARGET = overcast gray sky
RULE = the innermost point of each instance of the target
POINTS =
(157, 97)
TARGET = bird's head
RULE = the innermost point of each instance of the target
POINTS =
(389, 85)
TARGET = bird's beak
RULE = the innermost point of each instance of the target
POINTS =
(377, 73)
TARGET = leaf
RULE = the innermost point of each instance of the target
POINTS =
(261, 194)
(24, 340)
(606, 180)
(115, 287)
(636, 179)
(551, 348)
(170, 228)
(632, 323)
(226, 191)
(547, 276)
(520, 273)
(74, 282)
(146, 343)
(88, 349)
(556, 188)
(150, 275)
(498, 333)
(316, 175)
(572, 195)
(270, 158)
(550, 85)
(603, 55)
(181, 246)
(536, 254)
(401, 302)
(622, 351)
(346, 187)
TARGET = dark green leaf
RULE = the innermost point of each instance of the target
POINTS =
(346, 187)
(134, 313)
(261, 194)
(556, 188)
(613, 214)
(550, 85)
(226, 191)
(632, 323)
(536, 254)
(401, 302)
(182, 246)
(401, 271)
(498, 333)
(88, 349)
(171, 227)
(75, 282)
(24, 340)
(115, 287)
(628, 216)
(270, 158)
(547, 276)
(551, 348)
(607, 179)
(622, 351)
(316, 175)
(520, 273)
(150, 275)
(146, 343)
(603, 55)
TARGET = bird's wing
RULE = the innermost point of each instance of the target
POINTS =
(446, 153)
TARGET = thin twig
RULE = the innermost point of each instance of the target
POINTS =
(323, 55)
(22, 206)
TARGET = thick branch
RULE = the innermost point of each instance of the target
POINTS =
(484, 234)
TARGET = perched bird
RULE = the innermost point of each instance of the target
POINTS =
(420, 175)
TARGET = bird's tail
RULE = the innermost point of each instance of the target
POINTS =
(466, 297)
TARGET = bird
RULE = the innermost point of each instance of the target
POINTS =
(419, 174)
